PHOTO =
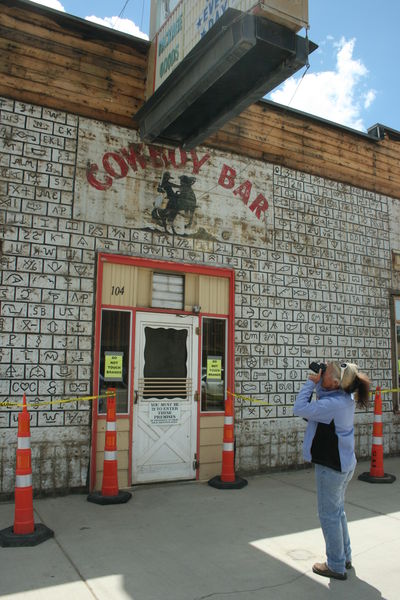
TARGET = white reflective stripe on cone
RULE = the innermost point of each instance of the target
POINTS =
(111, 426)
(23, 481)
(228, 421)
(108, 455)
(378, 418)
(228, 447)
(24, 443)
(377, 441)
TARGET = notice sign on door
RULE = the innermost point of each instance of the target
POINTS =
(165, 413)
(113, 366)
(214, 368)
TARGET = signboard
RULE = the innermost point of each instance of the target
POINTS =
(202, 193)
(165, 413)
(214, 368)
(192, 19)
(113, 366)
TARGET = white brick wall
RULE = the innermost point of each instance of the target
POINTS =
(317, 287)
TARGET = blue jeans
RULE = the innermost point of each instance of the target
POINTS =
(331, 489)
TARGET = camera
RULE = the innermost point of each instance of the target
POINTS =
(314, 366)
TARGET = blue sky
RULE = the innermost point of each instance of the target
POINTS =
(353, 77)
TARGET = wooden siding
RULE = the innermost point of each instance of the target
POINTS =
(61, 62)
(211, 441)
(52, 59)
(297, 141)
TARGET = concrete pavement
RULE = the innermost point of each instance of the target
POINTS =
(188, 541)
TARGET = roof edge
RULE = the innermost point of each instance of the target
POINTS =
(64, 18)
(371, 133)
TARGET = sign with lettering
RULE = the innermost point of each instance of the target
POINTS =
(113, 366)
(201, 193)
(192, 19)
(165, 413)
(214, 368)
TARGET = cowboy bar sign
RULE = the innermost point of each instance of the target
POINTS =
(197, 193)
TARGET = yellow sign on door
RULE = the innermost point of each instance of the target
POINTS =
(113, 366)
(214, 368)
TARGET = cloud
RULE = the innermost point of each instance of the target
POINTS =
(51, 4)
(334, 95)
(125, 25)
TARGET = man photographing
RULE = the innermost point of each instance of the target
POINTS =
(329, 444)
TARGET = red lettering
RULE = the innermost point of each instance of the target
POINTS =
(244, 191)
(157, 158)
(172, 158)
(99, 185)
(122, 166)
(197, 164)
(259, 205)
(227, 177)
(134, 155)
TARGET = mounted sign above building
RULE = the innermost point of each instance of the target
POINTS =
(239, 59)
(190, 20)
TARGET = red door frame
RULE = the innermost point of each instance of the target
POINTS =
(156, 265)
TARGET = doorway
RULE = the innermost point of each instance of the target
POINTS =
(165, 411)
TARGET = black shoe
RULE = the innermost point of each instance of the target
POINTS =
(323, 570)
(348, 564)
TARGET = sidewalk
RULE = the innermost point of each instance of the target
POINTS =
(188, 541)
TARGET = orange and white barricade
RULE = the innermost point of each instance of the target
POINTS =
(376, 473)
(110, 493)
(228, 479)
(24, 532)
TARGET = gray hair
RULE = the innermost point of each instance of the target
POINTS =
(345, 377)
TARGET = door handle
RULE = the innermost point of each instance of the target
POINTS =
(135, 397)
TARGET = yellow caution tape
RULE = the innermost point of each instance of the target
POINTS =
(6, 404)
(50, 402)
(262, 403)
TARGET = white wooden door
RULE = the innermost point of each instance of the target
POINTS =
(165, 410)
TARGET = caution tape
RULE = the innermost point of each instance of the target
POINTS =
(262, 403)
(52, 402)
(6, 404)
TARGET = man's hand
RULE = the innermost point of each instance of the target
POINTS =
(316, 377)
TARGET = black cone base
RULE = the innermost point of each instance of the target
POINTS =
(238, 484)
(9, 539)
(98, 498)
(371, 479)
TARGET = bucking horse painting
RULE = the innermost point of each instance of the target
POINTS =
(180, 199)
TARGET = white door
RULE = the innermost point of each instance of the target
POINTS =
(165, 410)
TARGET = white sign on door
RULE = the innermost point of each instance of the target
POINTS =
(165, 413)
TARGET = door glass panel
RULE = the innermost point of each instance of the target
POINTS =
(213, 365)
(398, 354)
(396, 395)
(397, 308)
(165, 363)
(114, 357)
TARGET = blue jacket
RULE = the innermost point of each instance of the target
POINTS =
(330, 404)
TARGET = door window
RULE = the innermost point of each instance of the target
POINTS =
(213, 369)
(165, 363)
(397, 345)
(114, 357)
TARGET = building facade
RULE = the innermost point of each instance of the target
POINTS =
(179, 277)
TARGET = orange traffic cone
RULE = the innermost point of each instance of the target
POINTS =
(228, 479)
(24, 532)
(377, 473)
(109, 489)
